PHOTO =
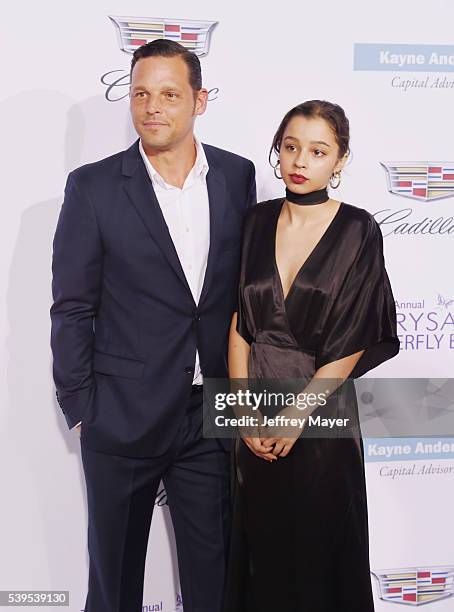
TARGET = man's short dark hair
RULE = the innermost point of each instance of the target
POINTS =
(170, 48)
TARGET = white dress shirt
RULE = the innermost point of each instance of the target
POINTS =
(187, 215)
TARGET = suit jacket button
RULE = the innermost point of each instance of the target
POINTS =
(189, 370)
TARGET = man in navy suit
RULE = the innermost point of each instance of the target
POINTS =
(145, 271)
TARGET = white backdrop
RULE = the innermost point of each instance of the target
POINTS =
(263, 60)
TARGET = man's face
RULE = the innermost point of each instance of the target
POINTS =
(163, 103)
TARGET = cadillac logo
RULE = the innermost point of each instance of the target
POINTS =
(133, 32)
(415, 586)
(420, 180)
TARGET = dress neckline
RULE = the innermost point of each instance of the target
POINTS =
(328, 229)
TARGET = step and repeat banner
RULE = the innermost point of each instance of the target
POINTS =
(65, 103)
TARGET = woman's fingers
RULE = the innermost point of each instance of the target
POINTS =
(282, 445)
(288, 445)
(258, 445)
(261, 450)
(261, 447)
(285, 451)
(279, 447)
(269, 441)
(255, 446)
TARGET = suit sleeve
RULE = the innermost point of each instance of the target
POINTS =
(252, 188)
(242, 312)
(76, 286)
(251, 200)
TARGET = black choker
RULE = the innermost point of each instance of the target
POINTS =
(306, 199)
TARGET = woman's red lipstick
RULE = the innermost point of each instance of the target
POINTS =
(298, 179)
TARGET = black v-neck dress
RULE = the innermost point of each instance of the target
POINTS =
(300, 533)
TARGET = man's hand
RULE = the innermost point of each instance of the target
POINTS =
(78, 427)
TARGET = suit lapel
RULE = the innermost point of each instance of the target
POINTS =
(142, 195)
(217, 201)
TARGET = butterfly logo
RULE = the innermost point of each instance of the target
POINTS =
(441, 301)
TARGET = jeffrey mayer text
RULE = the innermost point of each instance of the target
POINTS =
(279, 421)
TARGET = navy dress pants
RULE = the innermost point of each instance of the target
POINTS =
(121, 494)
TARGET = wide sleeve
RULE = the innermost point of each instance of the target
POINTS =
(363, 314)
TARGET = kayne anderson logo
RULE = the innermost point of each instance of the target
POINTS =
(133, 32)
(415, 586)
(411, 58)
(408, 58)
(420, 180)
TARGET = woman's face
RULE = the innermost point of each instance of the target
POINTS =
(309, 154)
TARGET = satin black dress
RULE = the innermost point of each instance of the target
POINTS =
(300, 532)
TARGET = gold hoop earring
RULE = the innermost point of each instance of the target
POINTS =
(276, 166)
(336, 175)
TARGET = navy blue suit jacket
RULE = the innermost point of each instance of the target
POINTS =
(125, 326)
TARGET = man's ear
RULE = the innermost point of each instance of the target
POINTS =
(201, 101)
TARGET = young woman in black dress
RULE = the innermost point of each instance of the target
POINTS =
(314, 303)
